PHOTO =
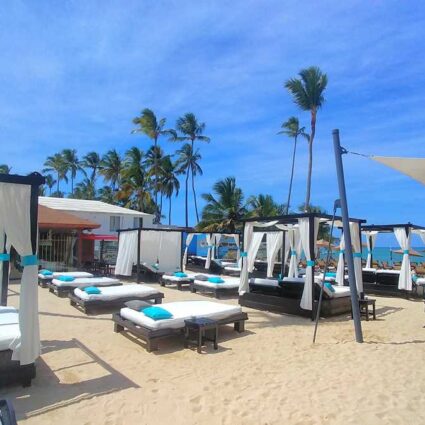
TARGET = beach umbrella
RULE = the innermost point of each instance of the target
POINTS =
(323, 243)
(412, 252)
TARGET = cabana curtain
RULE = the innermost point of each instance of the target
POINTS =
(274, 243)
(370, 242)
(357, 254)
(304, 227)
(209, 238)
(253, 249)
(15, 221)
(340, 271)
(295, 245)
(403, 238)
(189, 239)
(127, 253)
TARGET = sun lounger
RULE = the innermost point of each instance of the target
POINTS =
(171, 279)
(61, 288)
(7, 413)
(113, 297)
(44, 279)
(152, 330)
(230, 286)
(225, 267)
(11, 371)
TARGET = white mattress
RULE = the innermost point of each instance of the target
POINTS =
(369, 269)
(82, 282)
(181, 311)
(229, 283)
(234, 269)
(388, 271)
(341, 292)
(114, 292)
(420, 281)
(178, 279)
(9, 327)
(57, 274)
(264, 282)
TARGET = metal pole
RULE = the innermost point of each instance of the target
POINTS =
(347, 236)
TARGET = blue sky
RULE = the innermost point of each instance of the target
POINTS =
(74, 74)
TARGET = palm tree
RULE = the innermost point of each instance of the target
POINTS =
(291, 128)
(264, 206)
(106, 194)
(50, 182)
(111, 167)
(149, 125)
(57, 165)
(187, 163)
(72, 164)
(170, 184)
(5, 169)
(307, 93)
(91, 161)
(191, 131)
(224, 209)
(85, 189)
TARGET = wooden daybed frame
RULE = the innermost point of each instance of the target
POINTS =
(151, 336)
(179, 283)
(216, 291)
(12, 372)
(63, 290)
(93, 306)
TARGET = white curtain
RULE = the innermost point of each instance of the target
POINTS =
(189, 239)
(304, 226)
(357, 254)
(274, 243)
(422, 235)
(238, 252)
(295, 246)
(1, 260)
(209, 238)
(15, 200)
(370, 242)
(340, 271)
(217, 239)
(253, 249)
(127, 253)
(247, 237)
(403, 239)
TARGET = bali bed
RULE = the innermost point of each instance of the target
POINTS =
(225, 267)
(385, 282)
(179, 279)
(61, 288)
(44, 279)
(151, 330)
(197, 260)
(208, 284)
(284, 296)
(10, 370)
(112, 297)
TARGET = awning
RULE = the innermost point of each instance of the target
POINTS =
(48, 218)
(92, 237)
(412, 167)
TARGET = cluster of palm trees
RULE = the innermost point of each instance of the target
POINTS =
(138, 180)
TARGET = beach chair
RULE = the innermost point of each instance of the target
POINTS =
(113, 297)
(62, 288)
(7, 413)
(149, 330)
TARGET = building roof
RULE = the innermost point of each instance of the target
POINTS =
(82, 205)
(49, 218)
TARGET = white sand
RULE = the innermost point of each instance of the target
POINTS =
(272, 374)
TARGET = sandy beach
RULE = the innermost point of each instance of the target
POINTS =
(271, 374)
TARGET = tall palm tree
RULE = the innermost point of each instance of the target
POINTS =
(56, 164)
(191, 130)
(170, 184)
(291, 128)
(91, 161)
(264, 206)
(149, 125)
(50, 182)
(187, 163)
(72, 164)
(224, 208)
(111, 167)
(307, 93)
(5, 169)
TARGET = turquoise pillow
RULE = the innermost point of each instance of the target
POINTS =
(329, 286)
(66, 278)
(156, 313)
(330, 274)
(180, 274)
(46, 272)
(215, 280)
(155, 266)
(414, 278)
(91, 290)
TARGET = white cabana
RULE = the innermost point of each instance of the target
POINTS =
(18, 224)
(370, 243)
(127, 253)
(340, 271)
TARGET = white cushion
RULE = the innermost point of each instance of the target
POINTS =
(9, 327)
(229, 283)
(182, 311)
(82, 282)
(57, 274)
(264, 282)
(369, 269)
(178, 279)
(115, 292)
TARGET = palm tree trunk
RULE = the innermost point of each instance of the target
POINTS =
(292, 175)
(72, 184)
(186, 198)
(155, 166)
(169, 211)
(160, 205)
(194, 198)
(58, 184)
(310, 160)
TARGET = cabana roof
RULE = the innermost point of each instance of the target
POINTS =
(179, 229)
(293, 218)
(389, 228)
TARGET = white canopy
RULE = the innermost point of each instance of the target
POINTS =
(412, 167)
(127, 253)
(403, 236)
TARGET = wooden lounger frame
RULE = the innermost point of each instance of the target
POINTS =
(63, 290)
(217, 292)
(163, 281)
(12, 372)
(92, 306)
(151, 336)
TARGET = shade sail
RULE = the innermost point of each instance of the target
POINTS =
(412, 167)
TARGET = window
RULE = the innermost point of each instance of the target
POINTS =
(137, 222)
(114, 223)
